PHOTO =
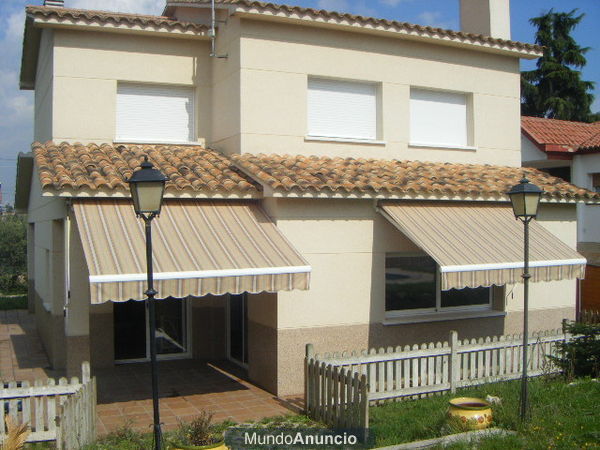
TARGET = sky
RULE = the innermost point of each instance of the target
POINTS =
(16, 107)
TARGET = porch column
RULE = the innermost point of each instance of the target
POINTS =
(77, 311)
(31, 267)
(262, 340)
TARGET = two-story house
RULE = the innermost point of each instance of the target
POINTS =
(333, 179)
(571, 151)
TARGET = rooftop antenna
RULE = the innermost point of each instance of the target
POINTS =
(213, 32)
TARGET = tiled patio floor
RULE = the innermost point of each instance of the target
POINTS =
(186, 387)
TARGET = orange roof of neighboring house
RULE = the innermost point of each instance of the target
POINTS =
(116, 18)
(562, 135)
(106, 167)
(340, 17)
(306, 174)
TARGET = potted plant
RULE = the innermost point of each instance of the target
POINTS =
(200, 433)
(470, 413)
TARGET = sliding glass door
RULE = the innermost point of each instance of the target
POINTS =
(132, 342)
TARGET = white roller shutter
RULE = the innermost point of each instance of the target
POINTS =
(438, 118)
(342, 109)
(152, 113)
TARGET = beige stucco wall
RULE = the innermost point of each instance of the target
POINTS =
(226, 91)
(42, 130)
(255, 99)
(276, 60)
(345, 242)
(88, 65)
(46, 259)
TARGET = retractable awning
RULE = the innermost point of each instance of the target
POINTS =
(199, 248)
(482, 245)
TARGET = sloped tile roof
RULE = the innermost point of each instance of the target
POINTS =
(106, 167)
(366, 20)
(104, 17)
(391, 177)
(566, 135)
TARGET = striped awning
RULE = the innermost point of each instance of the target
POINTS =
(199, 248)
(482, 245)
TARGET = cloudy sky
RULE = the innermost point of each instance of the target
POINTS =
(16, 110)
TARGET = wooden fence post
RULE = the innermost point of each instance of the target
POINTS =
(454, 361)
(310, 351)
(364, 402)
(85, 372)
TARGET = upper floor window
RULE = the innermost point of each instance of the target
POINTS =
(342, 109)
(439, 119)
(155, 113)
(412, 286)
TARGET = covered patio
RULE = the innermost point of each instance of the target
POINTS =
(124, 396)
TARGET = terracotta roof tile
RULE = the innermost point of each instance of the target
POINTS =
(112, 17)
(366, 20)
(569, 136)
(391, 177)
(107, 166)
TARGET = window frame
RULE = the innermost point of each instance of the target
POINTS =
(437, 309)
(469, 117)
(331, 137)
(192, 118)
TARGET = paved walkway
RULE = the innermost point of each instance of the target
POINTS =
(124, 392)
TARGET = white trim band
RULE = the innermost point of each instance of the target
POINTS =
(121, 278)
(512, 265)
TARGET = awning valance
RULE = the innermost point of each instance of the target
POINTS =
(199, 248)
(482, 245)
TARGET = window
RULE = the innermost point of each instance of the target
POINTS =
(438, 119)
(412, 286)
(341, 109)
(596, 182)
(154, 114)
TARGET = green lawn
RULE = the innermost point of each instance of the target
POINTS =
(13, 302)
(563, 416)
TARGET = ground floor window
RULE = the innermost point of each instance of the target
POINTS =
(412, 286)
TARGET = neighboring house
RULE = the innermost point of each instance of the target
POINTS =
(372, 156)
(571, 151)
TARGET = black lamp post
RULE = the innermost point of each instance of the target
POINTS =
(525, 198)
(147, 187)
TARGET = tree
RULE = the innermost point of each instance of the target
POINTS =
(555, 89)
(13, 254)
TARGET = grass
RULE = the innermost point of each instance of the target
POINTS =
(562, 416)
(13, 302)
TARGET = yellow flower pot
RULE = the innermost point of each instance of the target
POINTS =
(473, 413)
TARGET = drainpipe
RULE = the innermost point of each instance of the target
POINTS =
(213, 32)
(67, 251)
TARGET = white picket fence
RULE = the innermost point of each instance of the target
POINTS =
(64, 412)
(428, 368)
(337, 396)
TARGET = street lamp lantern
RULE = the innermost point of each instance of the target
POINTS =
(147, 186)
(525, 198)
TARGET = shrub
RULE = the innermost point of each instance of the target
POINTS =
(199, 431)
(581, 356)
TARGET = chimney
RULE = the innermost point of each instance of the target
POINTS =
(487, 17)
(54, 3)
